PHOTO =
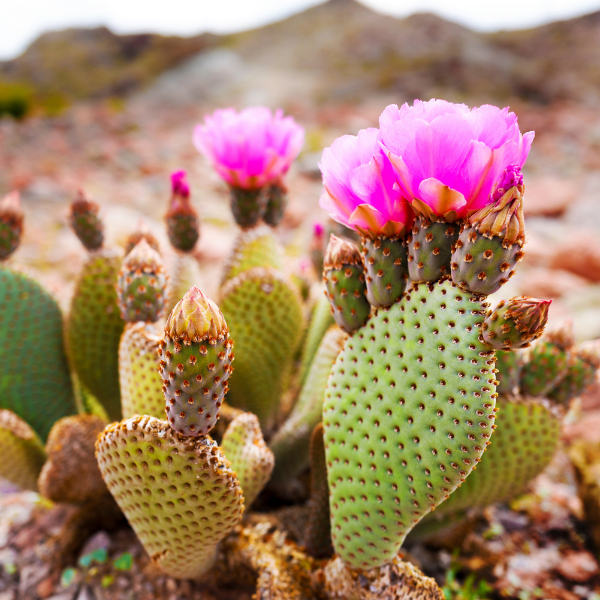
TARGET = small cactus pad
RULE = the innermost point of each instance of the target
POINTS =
(142, 285)
(491, 244)
(408, 410)
(252, 461)
(184, 273)
(11, 224)
(509, 364)
(265, 317)
(248, 206)
(71, 473)
(318, 530)
(35, 382)
(22, 451)
(85, 222)
(430, 249)
(141, 383)
(255, 247)
(183, 227)
(291, 442)
(277, 199)
(523, 444)
(321, 320)
(94, 329)
(179, 494)
(195, 363)
(386, 270)
(345, 284)
(584, 362)
(515, 323)
(547, 361)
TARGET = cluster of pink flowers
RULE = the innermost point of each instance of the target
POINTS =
(252, 148)
(446, 156)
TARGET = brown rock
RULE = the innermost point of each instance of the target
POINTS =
(579, 255)
(587, 429)
(549, 283)
(549, 196)
(578, 566)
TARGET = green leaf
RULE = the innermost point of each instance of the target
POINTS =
(123, 562)
(67, 577)
(100, 555)
(107, 581)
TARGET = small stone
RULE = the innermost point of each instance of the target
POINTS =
(578, 566)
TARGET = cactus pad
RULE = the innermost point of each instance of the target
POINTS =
(408, 410)
(291, 442)
(248, 206)
(71, 473)
(179, 494)
(509, 364)
(255, 247)
(22, 451)
(252, 461)
(35, 382)
(276, 203)
(581, 373)
(430, 249)
(94, 329)
(140, 381)
(386, 270)
(265, 317)
(522, 446)
(184, 273)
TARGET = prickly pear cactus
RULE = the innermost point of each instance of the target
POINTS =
(509, 365)
(265, 316)
(94, 329)
(256, 247)
(22, 451)
(32, 350)
(139, 379)
(184, 273)
(408, 410)
(250, 458)
(183, 225)
(179, 493)
(290, 444)
(527, 434)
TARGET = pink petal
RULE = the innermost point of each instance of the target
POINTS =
(441, 198)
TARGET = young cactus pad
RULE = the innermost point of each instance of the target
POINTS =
(32, 350)
(140, 381)
(265, 317)
(22, 451)
(85, 222)
(408, 410)
(195, 363)
(94, 329)
(252, 461)
(179, 494)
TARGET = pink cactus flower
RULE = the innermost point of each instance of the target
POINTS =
(252, 148)
(360, 190)
(450, 157)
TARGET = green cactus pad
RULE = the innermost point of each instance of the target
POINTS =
(35, 382)
(509, 365)
(140, 381)
(11, 224)
(248, 206)
(581, 373)
(321, 320)
(195, 378)
(430, 249)
(86, 223)
(408, 410)
(244, 446)
(523, 444)
(255, 247)
(22, 451)
(94, 329)
(276, 203)
(546, 365)
(346, 290)
(483, 263)
(265, 317)
(386, 270)
(179, 494)
(318, 530)
(291, 442)
(71, 472)
(184, 273)
(183, 230)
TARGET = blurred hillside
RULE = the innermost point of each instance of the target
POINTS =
(340, 51)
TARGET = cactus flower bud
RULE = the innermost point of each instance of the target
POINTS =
(182, 218)
(345, 283)
(11, 224)
(85, 222)
(515, 323)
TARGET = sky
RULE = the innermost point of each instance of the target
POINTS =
(22, 21)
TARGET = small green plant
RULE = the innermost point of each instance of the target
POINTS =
(470, 589)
